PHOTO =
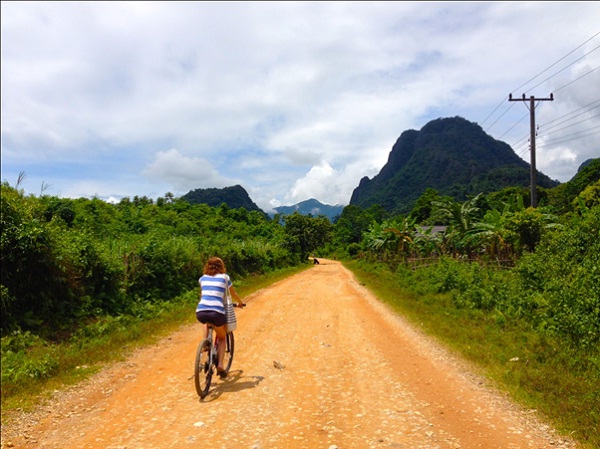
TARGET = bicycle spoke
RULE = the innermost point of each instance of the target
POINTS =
(203, 368)
(229, 348)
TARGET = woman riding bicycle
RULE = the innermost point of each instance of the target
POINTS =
(211, 308)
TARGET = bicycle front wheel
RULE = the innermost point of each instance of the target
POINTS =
(228, 358)
(203, 368)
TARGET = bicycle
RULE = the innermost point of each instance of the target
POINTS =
(207, 359)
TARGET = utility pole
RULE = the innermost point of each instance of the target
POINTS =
(532, 101)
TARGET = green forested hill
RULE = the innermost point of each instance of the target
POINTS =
(451, 155)
(234, 196)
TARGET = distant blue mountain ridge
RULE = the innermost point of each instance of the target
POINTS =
(236, 197)
(311, 207)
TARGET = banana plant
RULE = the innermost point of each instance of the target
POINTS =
(390, 239)
(489, 234)
(460, 218)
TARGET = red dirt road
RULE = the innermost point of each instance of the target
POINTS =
(319, 363)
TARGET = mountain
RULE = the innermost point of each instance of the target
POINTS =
(451, 155)
(587, 174)
(312, 207)
(586, 163)
(234, 196)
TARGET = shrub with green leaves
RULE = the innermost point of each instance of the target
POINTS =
(65, 261)
(26, 356)
(565, 272)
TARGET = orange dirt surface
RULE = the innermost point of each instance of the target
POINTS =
(319, 363)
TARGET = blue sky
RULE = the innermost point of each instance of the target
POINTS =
(291, 100)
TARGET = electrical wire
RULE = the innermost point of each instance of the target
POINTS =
(546, 132)
(502, 115)
(564, 57)
(565, 68)
(511, 128)
(538, 75)
(573, 136)
(577, 79)
(583, 108)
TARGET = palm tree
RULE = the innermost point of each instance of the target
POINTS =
(490, 235)
(391, 239)
(460, 219)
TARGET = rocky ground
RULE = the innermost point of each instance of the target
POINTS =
(319, 363)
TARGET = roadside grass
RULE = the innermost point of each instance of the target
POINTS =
(33, 368)
(540, 373)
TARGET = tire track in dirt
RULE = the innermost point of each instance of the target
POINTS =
(356, 376)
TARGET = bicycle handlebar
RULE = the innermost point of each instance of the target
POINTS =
(239, 305)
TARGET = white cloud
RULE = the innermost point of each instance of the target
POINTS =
(316, 182)
(288, 99)
(185, 173)
(328, 185)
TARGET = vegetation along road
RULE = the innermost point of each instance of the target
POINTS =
(319, 363)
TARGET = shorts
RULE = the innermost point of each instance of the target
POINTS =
(210, 316)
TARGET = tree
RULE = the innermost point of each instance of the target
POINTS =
(354, 221)
(423, 206)
(527, 227)
(491, 232)
(32, 280)
(304, 234)
(460, 219)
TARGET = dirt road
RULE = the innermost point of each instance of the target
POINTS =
(349, 374)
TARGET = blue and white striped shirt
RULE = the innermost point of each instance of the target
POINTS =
(213, 289)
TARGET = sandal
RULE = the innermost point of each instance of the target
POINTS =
(222, 373)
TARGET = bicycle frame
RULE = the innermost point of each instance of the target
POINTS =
(207, 359)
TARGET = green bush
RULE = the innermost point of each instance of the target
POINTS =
(65, 262)
(26, 356)
(564, 274)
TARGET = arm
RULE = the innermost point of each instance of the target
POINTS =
(235, 296)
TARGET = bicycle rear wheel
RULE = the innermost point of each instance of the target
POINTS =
(228, 358)
(203, 368)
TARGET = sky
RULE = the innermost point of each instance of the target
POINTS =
(290, 100)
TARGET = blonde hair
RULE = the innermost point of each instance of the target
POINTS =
(213, 266)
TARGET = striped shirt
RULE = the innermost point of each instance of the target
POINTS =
(213, 289)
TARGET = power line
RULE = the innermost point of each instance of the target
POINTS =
(574, 136)
(520, 142)
(502, 115)
(565, 68)
(491, 113)
(561, 121)
(538, 75)
(546, 132)
(522, 149)
(575, 111)
(511, 128)
(577, 79)
(564, 57)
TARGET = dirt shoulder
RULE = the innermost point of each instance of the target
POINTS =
(319, 363)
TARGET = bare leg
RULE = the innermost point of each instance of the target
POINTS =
(222, 336)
